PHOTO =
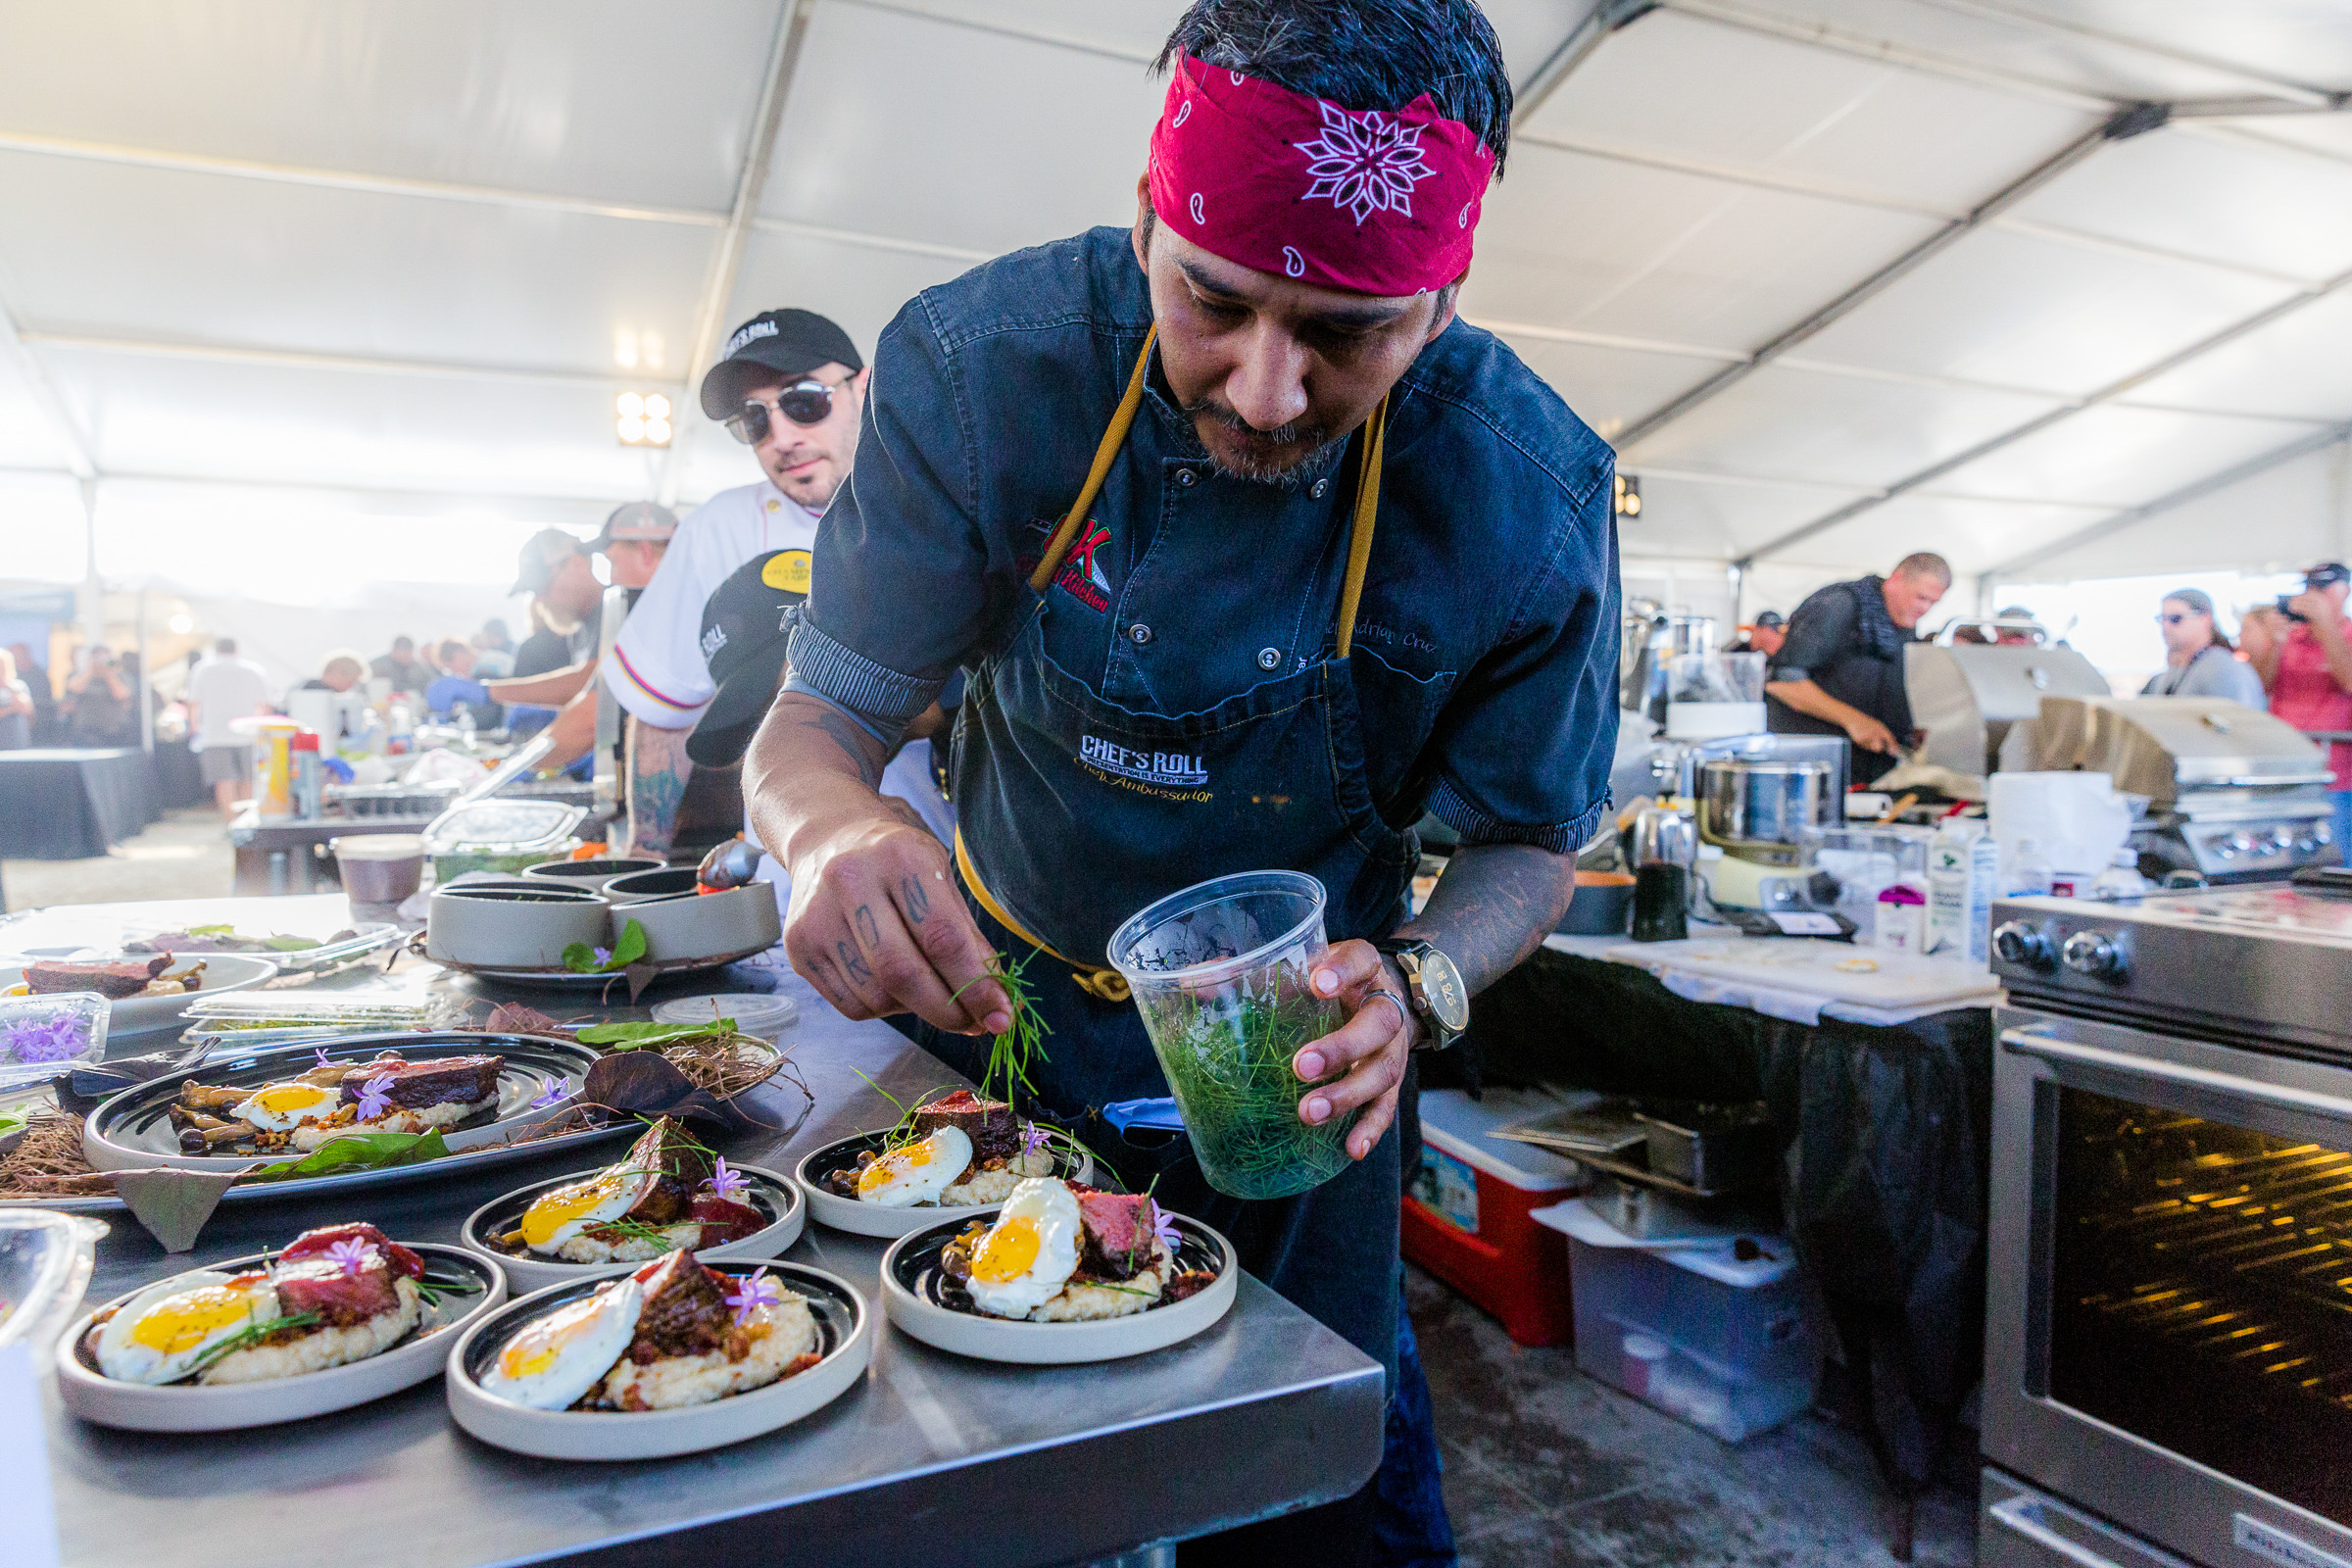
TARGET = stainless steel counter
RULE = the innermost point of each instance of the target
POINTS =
(994, 1465)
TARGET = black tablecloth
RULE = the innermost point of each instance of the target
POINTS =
(1886, 1137)
(71, 805)
(178, 776)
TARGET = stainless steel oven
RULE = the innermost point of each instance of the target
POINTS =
(2168, 1368)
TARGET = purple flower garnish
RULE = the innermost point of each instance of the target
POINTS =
(375, 1097)
(321, 1053)
(728, 1184)
(57, 1038)
(1163, 1225)
(604, 955)
(352, 1255)
(555, 1091)
(1033, 1139)
(758, 1290)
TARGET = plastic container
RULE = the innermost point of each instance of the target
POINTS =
(378, 867)
(42, 1036)
(1467, 1218)
(1867, 863)
(1219, 972)
(1741, 1352)
(310, 776)
(503, 836)
(1963, 876)
(45, 1264)
(2030, 875)
(761, 1015)
(2121, 880)
(273, 770)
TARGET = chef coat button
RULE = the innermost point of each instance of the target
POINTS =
(1139, 634)
(1184, 478)
(1316, 490)
(1268, 657)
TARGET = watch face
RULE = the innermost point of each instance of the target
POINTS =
(1442, 985)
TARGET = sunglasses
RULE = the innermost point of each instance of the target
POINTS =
(804, 403)
(2172, 618)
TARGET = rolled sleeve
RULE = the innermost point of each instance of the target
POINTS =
(1524, 747)
(900, 590)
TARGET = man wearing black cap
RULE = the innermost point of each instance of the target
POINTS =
(553, 568)
(790, 385)
(1763, 636)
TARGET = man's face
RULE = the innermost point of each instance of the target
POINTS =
(457, 661)
(403, 649)
(573, 591)
(1274, 372)
(809, 461)
(1910, 596)
(633, 561)
(339, 678)
(2184, 629)
(1767, 639)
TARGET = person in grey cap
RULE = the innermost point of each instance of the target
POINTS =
(632, 542)
(2199, 660)
(790, 385)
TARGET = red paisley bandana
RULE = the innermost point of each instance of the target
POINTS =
(1373, 201)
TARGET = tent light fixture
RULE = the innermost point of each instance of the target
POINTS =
(1626, 501)
(642, 420)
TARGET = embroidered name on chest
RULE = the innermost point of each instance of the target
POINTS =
(1183, 769)
(1081, 576)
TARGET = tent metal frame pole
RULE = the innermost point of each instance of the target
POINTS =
(726, 263)
(1606, 18)
(2300, 93)
(2009, 569)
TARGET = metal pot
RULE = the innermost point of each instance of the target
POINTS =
(1763, 803)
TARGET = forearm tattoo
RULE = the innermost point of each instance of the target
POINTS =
(1494, 907)
(861, 750)
(658, 768)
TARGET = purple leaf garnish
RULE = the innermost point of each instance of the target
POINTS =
(728, 1184)
(758, 1290)
(352, 1255)
(375, 1097)
(1163, 1225)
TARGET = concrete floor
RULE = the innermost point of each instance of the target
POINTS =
(1546, 1467)
(183, 856)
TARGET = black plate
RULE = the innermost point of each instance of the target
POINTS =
(915, 1263)
(836, 1309)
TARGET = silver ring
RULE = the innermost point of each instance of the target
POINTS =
(1404, 1019)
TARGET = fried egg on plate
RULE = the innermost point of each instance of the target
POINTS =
(557, 1216)
(161, 1332)
(918, 1173)
(1030, 1253)
(556, 1359)
(282, 1107)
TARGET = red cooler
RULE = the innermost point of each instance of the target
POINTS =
(1466, 1220)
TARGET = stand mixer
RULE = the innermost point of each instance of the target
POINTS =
(1756, 795)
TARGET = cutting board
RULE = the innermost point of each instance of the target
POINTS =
(1836, 971)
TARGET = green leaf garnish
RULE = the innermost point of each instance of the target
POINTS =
(252, 1334)
(627, 947)
(642, 1036)
(358, 1152)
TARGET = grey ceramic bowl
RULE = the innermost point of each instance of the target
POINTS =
(662, 883)
(705, 925)
(591, 875)
(511, 925)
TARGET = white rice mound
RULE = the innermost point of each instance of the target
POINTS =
(778, 1334)
(448, 1114)
(322, 1348)
(584, 1248)
(996, 1186)
(1091, 1303)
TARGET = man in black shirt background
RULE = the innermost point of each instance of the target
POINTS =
(1839, 671)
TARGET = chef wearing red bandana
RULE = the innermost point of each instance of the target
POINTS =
(1254, 555)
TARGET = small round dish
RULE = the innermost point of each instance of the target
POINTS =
(875, 1219)
(845, 1338)
(135, 1406)
(911, 1300)
(768, 1192)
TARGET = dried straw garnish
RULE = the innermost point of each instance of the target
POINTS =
(725, 1065)
(49, 1162)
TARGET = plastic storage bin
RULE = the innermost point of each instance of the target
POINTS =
(1468, 1221)
(1724, 1346)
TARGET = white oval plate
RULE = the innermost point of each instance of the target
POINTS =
(769, 1191)
(845, 1334)
(94, 1396)
(909, 1279)
(875, 1219)
(222, 972)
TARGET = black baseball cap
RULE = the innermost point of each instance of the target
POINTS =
(772, 344)
(2326, 573)
(744, 632)
(1767, 618)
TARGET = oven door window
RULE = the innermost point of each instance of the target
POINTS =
(2201, 1293)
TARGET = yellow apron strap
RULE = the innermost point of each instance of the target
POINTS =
(1107, 453)
(1359, 537)
(1108, 984)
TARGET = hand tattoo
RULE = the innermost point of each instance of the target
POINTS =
(869, 927)
(915, 898)
(851, 961)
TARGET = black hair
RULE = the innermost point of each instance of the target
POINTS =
(1362, 54)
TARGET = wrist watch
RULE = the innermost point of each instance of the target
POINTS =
(1439, 999)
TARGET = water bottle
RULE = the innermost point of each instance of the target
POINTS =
(2120, 880)
(2030, 875)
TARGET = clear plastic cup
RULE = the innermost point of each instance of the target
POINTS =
(1220, 975)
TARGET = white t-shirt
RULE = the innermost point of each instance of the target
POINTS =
(224, 689)
(656, 669)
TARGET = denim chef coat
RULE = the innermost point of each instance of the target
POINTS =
(1484, 656)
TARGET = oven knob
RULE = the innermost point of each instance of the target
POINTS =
(2222, 851)
(2094, 954)
(2019, 943)
(2319, 834)
(2241, 843)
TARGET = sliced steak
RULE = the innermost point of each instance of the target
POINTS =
(112, 980)
(404, 1263)
(310, 1278)
(724, 1220)
(685, 1310)
(452, 1080)
(994, 1132)
(669, 1148)
(1119, 1232)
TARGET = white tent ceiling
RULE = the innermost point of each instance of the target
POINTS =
(1844, 277)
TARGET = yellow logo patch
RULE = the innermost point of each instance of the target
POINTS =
(787, 570)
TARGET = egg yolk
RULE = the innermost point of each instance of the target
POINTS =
(1006, 1252)
(184, 1322)
(882, 1171)
(279, 1098)
(535, 1349)
(560, 1207)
